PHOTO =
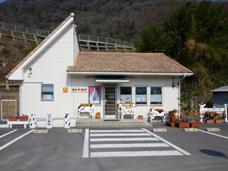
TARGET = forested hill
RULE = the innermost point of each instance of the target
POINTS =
(114, 18)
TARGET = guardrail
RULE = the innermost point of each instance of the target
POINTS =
(87, 42)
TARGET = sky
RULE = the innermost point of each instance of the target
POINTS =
(2, 1)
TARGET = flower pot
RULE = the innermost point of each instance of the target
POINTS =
(172, 119)
(23, 118)
(183, 124)
(219, 121)
(172, 124)
(12, 118)
(195, 124)
(210, 121)
(140, 117)
(98, 115)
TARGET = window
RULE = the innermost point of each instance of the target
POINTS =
(125, 95)
(141, 95)
(47, 92)
(156, 95)
(94, 95)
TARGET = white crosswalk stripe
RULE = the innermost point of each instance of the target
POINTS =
(124, 139)
(127, 143)
(117, 130)
(118, 135)
(136, 153)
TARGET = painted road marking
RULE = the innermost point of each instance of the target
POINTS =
(8, 133)
(116, 130)
(124, 139)
(85, 153)
(129, 145)
(120, 134)
(218, 135)
(15, 140)
(172, 145)
(136, 153)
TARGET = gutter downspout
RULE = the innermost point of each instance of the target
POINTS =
(179, 93)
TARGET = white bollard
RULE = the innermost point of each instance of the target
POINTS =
(67, 121)
(32, 121)
(49, 121)
(226, 112)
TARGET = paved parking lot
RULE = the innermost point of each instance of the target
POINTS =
(115, 149)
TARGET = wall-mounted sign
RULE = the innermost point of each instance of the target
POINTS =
(80, 90)
(65, 90)
(94, 95)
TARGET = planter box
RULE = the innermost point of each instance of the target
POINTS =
(183, 124)
(23, 118)
(195, 124)
(210, 121)
(172, 119)
(98, 115)
(219, 121)
(140, 117)
(12, 118)
(172, 124)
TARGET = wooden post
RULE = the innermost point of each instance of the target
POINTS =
(36, 40)
(12, 34)
(7, 85)
(106, 44)
(25, 40)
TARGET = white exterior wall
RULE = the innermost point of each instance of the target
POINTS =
(50, 68)
(170, 95)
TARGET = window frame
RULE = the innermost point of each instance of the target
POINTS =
(52, 93)
(100, 95)
(126, 94)
(155, 103)
(141, 103)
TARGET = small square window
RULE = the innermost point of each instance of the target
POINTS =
(125, 95)
(47, 92)
(156, 95)
(141, 95)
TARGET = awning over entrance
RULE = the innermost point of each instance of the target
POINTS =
(111, 81)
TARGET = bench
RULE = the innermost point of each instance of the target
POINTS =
(11, 123)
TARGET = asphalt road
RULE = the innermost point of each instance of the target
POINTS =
(59, 150)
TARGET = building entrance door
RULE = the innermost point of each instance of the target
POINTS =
(110, 102)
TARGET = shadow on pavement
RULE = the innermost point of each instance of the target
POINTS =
(214, 153)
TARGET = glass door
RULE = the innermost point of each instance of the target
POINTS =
(110, 102)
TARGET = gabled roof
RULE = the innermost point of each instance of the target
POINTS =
(16, 72)
(221, 89)
(127, 62)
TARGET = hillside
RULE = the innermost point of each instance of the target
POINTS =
(114, 18)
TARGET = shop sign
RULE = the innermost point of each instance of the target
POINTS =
(80, 90)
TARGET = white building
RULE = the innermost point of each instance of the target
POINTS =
(56, 78)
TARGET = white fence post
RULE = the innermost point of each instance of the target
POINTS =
(49, 121)
(32, 121)
(225, 112)
(67, 121)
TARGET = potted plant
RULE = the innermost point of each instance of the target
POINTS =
(12, 117)
(219, 118)
(23, 118)
(172, 117)
(98, 115)
(209, 117)
(140, 117)
(184, 122)
(194, 121)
